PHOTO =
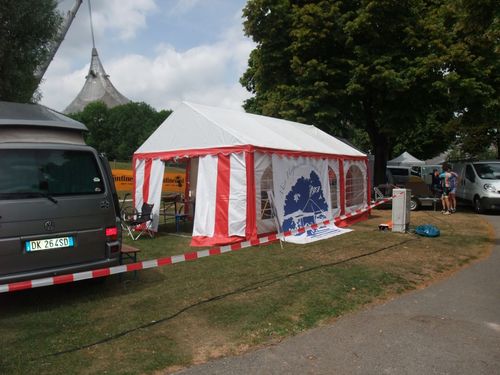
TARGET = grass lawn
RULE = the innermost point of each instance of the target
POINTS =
(179, 315)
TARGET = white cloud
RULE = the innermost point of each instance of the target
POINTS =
(183, 6)
(206, 74)
(116, 19)
(125, 17)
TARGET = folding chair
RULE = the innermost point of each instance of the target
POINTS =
(140, 222)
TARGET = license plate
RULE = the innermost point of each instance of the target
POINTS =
(49, 243)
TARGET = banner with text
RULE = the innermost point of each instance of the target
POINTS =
(172, 181)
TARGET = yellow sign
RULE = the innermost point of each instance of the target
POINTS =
(172, 182)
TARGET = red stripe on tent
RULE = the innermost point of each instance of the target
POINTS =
(251, 224)
(196, 152)
(164, 261)
(222, 196)
(215, 241)
(273, 237)
(191, 256)
(188, 187)
(342, 186)
(21, 285)
(134, 173)
(63, 279)
(236, 246)
(100, 272)
(147, 178)
(368, 184)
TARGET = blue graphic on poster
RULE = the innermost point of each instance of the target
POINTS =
(305, 203)
(302, 197)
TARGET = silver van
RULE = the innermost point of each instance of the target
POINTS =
(58, 205)
(479, 184)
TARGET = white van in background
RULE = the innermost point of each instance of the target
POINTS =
(479, 184)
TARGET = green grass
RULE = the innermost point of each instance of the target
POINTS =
(190, 312)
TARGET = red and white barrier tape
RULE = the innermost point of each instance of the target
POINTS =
(102, 272)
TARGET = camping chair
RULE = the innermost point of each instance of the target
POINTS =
(140, 222)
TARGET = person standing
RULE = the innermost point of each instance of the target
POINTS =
(436, 183)
(445, 183)
(452, 200)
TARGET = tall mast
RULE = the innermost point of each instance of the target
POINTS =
(54, 46)
(91, 25)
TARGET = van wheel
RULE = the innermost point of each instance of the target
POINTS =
(477, 206)
(414, 204)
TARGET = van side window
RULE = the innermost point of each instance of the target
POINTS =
(469, 173)
(31, 173)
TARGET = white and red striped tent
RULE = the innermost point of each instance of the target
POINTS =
(236, 161)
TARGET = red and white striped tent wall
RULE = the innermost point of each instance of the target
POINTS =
(234, 159)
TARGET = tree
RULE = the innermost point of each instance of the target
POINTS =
(133, 123)
(26, 30)
(119, 131)
(372, 66)
(478, 92)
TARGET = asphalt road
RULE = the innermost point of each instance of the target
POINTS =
(451, 327)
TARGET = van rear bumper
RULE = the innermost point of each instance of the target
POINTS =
(22, 276)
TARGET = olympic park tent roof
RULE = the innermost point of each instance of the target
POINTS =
(203, 129)
(405, 159)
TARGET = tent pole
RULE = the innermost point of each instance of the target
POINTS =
(187, 189)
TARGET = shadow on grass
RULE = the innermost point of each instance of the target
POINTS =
(244, 289)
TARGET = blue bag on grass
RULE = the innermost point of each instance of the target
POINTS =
(427, 230)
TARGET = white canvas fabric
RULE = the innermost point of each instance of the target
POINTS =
(194, 126)
(322, 233)
(153, 181)
(262, 162)
(301, 192)
(206, 188)
(360, 191)
(139, 182)
(406, 159)
(334, 164)
(237, 195)
(155, 187)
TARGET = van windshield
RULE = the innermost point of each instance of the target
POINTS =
(37, 172)
(488, 171)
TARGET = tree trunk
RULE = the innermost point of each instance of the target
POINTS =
(381, 152)
(379, 141)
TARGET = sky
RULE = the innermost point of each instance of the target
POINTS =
(160, 52)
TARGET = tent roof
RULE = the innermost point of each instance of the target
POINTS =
(195, 127)
(97, 87)
(405, 159)
(35, 115)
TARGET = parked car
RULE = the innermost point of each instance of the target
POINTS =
(479, 184)
(58, 205)
(409, 178)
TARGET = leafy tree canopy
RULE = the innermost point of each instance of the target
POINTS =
(26, 29)
(119, 131)
(476, 73)
(380, 67)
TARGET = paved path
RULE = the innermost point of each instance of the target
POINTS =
(452, 327)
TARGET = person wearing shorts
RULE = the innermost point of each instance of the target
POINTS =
(452, 200)
(445, 182)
